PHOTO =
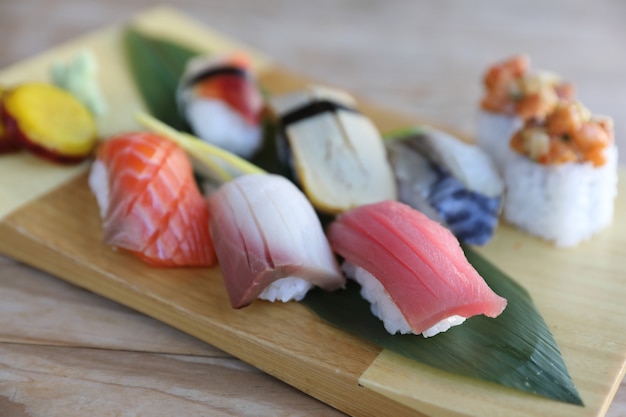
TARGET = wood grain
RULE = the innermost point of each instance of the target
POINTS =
(321, 360)
(50, 312)
(114, 383)
(61, 345)
(363, 89)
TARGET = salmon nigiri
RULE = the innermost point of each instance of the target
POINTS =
(410, 268)
(269, 241)
(222, 103)
(149, 202)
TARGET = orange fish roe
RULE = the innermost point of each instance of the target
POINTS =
(568, 134)
(511, 88)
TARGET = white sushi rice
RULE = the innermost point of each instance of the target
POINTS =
(286, 289)
(214, 122)
(493, 135)
(444, 325)
(383, 306)
(565, 203)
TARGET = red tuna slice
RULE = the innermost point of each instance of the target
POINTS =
(149, 201)
(267, 235)
(418, 262)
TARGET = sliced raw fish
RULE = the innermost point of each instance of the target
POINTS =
(269, 241)
(419, 265)
(149, 202)
(452, 182)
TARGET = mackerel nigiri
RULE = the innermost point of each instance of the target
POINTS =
(452, 182)
(269, 241)
(149, 202)
(222, 103)
(410, 268)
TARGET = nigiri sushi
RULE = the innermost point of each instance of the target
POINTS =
(452, 182)
(411, 269)
(269, 241)
(513, 94)
(561, 176)
(222, 103)
(336, 153)
(149, 202)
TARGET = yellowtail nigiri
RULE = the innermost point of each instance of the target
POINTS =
(269, 241)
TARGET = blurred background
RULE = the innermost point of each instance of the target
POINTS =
(418, 57)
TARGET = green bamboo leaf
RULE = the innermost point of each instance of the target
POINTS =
(403, 132)
(157, 66)
(515, 349)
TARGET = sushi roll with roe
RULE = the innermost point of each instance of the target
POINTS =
(561, 177)
(513, 94)
(222, 103)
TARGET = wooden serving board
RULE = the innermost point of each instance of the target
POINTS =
(49, 219)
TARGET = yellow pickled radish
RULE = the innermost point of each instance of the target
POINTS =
(50, 122)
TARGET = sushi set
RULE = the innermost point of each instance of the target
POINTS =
(380, 212)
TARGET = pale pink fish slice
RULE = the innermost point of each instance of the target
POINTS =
(265, 230)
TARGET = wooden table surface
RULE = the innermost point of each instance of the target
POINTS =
(67, 352)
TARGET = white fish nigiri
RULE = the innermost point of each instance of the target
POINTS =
(269, 242)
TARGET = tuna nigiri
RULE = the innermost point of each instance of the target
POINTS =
(149, 202)
(411, 269)
(269, 241)
(222, 103)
